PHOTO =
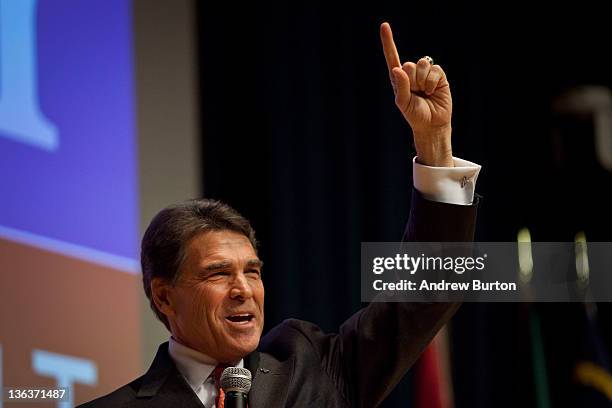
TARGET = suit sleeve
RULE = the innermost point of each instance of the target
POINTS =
(381, 342)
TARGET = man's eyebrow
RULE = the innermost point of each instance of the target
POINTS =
(252, 263)
(217, 265)
(255, 263)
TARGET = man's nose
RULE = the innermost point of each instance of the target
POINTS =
(240, 288)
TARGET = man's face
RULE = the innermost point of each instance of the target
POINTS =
(219, 298)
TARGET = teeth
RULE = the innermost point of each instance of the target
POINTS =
(240, 317)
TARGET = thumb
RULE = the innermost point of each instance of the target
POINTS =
(402, 89)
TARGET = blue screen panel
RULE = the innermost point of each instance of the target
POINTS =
(68, 154)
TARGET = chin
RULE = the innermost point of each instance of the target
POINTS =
(242, 347)
(249, 345)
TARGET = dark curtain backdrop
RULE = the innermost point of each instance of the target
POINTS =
(301, 135)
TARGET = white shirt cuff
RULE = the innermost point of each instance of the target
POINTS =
(452, 185)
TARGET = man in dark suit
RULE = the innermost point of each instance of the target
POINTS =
(202, 275)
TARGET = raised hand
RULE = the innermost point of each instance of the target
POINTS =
(423, 95)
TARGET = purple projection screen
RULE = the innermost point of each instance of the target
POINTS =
(68, 154)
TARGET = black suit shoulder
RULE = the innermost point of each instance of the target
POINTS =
(316, 358)
(312, 349)
(291, 334)
(161, 386)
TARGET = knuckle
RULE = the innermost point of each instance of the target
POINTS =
(439, 71)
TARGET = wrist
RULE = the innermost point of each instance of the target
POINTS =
(434, 147)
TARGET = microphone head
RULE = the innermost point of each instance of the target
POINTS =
(236, 379)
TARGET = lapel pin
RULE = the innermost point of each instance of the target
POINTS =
(264, 370)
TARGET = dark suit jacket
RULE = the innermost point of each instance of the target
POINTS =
(297, 365)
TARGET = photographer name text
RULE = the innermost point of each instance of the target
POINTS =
(424, 285)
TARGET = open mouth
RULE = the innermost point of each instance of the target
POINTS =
(240, 318)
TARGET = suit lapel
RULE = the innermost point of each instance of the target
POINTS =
(164, 386)
(271, 378)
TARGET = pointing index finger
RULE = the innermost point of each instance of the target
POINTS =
(391, 55)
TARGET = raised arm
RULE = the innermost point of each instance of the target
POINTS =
(382, 341)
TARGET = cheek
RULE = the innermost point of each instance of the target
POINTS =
(206, 302)
(198, 308)
(259, 293)
(192, 309)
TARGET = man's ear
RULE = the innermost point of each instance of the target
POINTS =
(161, 294)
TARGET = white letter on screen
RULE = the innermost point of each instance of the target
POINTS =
(20, 115)
(67, 370)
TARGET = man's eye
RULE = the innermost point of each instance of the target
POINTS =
(254, 272)
(218, 274)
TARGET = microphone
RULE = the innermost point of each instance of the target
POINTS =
(236, 383)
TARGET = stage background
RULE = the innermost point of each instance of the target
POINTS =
(118, 108)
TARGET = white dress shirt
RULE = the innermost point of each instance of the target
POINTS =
(197, 368)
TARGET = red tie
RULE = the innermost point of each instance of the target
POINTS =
(220, 400)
